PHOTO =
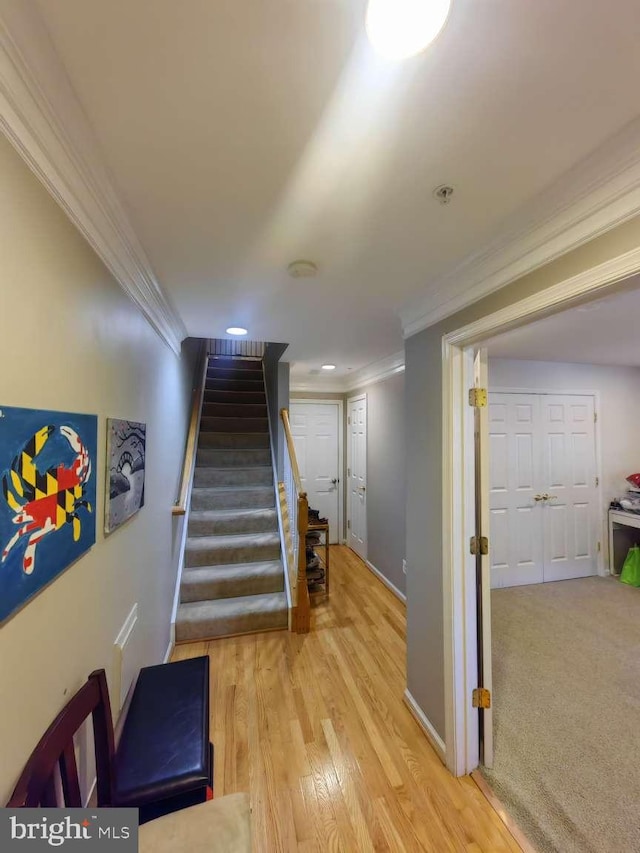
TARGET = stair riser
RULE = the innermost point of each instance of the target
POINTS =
(224, 363)
(233, 458)
(233, 374)
(234, 410)
(233, 425)
(250, 623)
(262, 498)
(253, 397)
(263, 523)
(210, 590)
(215, 477)
(255, 387)
(232, 554)
(233, 441)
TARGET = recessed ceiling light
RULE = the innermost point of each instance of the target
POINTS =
(398, 29)
(328, 367)
(236, 330)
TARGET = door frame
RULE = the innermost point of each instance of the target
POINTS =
(458, 505)
(327, 401)
(601, 564)
(350, 400)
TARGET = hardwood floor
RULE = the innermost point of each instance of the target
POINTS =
(314, 727)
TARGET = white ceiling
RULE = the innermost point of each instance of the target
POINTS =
(605, 331)
(242, 135)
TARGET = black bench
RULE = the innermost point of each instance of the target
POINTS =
(164, 760)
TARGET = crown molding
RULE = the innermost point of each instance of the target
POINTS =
(597, 194)
(42, 117)
(377, 371)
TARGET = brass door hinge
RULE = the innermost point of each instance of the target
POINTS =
(478, 397)
(599, 547)
(597, 481)
(349, 421)
(595, 417)
(479, 545)
(481, 698)
(348, 525)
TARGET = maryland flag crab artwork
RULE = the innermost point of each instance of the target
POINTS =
(47, 500)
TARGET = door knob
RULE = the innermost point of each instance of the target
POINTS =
(335, 481)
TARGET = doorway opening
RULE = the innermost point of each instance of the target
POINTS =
(536, 619)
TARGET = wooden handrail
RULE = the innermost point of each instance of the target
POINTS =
(284, 414)
(180, 507)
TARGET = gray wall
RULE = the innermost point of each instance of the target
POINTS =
(386, 479)
(276, 378)
(423, 372)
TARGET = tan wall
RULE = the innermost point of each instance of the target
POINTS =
(423, 395)
(72, 341)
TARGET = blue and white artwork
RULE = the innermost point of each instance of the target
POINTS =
(126, 447)
(47, 506)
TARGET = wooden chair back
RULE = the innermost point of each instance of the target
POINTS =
(37, 784)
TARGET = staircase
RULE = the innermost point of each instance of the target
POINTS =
(233, 577)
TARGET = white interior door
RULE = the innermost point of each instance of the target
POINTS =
(315, 428)
(543, 494)
(357, 474)
(516, 476)
(570, 513)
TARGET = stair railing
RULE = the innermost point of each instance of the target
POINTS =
(180, 506)
(297, 520)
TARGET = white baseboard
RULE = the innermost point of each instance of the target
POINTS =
(431, 734)
(171, 646)
(387, 582)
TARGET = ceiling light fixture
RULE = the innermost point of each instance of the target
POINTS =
(302, 269)
(236, 330)
(398, 29)
(328, 367)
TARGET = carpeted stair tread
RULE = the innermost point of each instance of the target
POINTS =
(214, 395)
(228, 521)
(231, 580)
(231, 548)
(233, 424)
(233, 497)
(232, 457)
(234, 410)
(248, 614)
(207, 476)
(234, 440)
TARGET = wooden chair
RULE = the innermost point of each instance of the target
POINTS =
(37, 784)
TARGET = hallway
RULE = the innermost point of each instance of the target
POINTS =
(314, 727)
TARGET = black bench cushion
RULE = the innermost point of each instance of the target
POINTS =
(164, 748)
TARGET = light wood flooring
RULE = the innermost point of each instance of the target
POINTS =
(314, 727)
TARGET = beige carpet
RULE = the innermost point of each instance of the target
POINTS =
(566, 676)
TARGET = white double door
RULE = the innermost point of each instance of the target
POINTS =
(315, 428)
(543, 493)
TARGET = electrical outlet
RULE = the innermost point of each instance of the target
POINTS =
(404, 567)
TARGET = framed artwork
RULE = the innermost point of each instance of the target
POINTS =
(126, 444)
(47, 505)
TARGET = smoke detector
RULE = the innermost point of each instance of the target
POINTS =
(443, 193)
(302, 269)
